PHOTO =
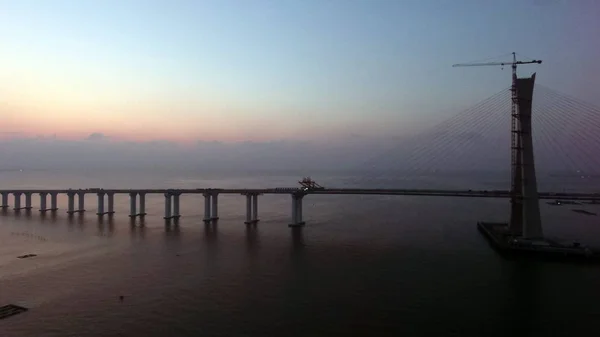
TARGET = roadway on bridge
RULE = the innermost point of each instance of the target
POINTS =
(325, 191)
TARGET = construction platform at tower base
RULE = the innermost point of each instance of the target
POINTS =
(510, 245)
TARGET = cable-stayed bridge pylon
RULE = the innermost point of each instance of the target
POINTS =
(557, 142)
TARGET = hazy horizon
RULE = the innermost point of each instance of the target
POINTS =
(282, 85)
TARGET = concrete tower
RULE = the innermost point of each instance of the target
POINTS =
(525, 208)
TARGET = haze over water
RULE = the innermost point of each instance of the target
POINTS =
(371, 265)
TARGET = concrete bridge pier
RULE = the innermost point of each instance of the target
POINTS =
(53, 201)
(294, 210)
(176, 214)
(5, 204)
(100, 209)
(248, 209)
(167, 206)
(255, 208)
(132, 204)
(297, 210)
(299, 219)
(28, 201)
(81, 199)
(142, 211)
(172, 205)
(71, 202)
(207, 200)
(251, 208)
(43, 199)
(81, 204)
(111, 203)
(215, 207)
(17, 201)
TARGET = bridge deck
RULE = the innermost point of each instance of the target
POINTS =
(339, 191)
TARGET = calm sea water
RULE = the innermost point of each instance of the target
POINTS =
(362, 266)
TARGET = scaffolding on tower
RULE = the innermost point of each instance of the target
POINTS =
(516, 145)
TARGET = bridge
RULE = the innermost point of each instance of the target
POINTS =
(172, 198)
(563, 130)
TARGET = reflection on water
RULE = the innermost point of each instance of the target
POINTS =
(297, 234)
(106, 227)
(252, 239)
(211, 232)
(48, 217)
(172, 229)
(524, 281)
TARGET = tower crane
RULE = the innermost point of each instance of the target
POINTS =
(515, 128)
(513, 64)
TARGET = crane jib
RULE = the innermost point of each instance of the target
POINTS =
(496, 63)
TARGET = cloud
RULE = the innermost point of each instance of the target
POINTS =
(96, 136)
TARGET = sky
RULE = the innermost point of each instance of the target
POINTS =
(269, 71)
